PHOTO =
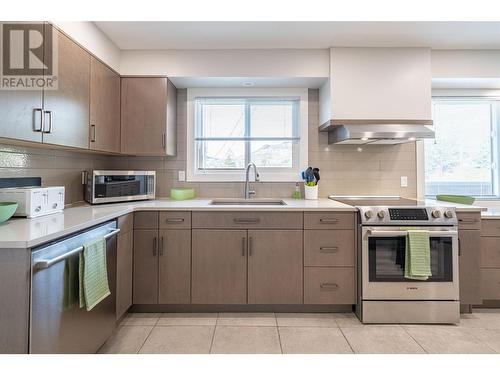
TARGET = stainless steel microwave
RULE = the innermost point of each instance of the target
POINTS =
(104, 186)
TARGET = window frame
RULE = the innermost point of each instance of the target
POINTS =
(466, 96)
(267, 174)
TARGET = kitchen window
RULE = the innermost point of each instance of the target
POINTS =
(228, 128)
(463, 157)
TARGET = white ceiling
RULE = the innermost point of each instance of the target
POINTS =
(264, 35)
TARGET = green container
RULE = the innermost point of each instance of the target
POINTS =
(180, 194)
(461, 199)
(7, 209)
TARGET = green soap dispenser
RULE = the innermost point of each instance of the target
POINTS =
(296, 192)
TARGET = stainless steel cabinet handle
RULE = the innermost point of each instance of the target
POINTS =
(331, 286)
(246, 221)
(468, 221)
(92, 133)
(35, 128)
(161, 246)
(328, 249)
(250, 246)
(175, 220)
(155, 246)
(50, 123)
(243, 245)
(328, 221)
(163, 140)
(46, 263)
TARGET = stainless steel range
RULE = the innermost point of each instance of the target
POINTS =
(384, 294)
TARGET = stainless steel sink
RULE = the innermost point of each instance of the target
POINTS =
(247, 202)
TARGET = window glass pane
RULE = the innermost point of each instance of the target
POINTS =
(221, 154)
(459, 159)
(272, 120)
(222, 120)
(276, 154)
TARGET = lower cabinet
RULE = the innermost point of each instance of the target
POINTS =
(219, 266)
(329, 285)
(124, 265)
(174, 269)
(275, 267)
(145, 266)
(469, 237)
(490, 260)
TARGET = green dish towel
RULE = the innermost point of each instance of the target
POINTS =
(418, 255)
(93, 274)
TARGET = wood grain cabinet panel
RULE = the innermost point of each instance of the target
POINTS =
(124, 271)
(175, 266)
(275, 267)
(145, 275)
(490, 284)
(329, 247)
(490, 252)
(329, 285)
(67, 108)
(104, 108)
(219, 266)
(148, 120)
(329, 220)
(146, 220)
(490, 228)
(175, 220)
(246, 219)
(469, 265)
(469, 220)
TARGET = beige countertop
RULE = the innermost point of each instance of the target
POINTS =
(27, 233)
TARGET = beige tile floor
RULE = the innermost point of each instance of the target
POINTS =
(298, 333)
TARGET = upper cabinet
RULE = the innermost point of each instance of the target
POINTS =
(148, 116)
(376, 86)
(66, 109)
(104, 108)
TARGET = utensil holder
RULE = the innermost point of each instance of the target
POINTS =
(311, 192)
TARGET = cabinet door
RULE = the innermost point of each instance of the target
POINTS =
(104, 108)
(67, 108)
(145, 266)
(143, 116)
(275, 266)
(124, 269)
(219, 266)
(469, 260)
(175, 266)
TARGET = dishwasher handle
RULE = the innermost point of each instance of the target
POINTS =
(46, 263)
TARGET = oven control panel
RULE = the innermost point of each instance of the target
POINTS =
(384, 215)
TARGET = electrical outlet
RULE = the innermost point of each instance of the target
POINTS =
(404, 181)
(182, 175)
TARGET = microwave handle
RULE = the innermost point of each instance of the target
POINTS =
(398, 233)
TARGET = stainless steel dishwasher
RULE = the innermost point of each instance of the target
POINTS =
(57, 326)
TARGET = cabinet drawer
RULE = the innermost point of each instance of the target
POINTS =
(329, 220)
(490, 252)
(490, 228)
(469, 220)
(175, 220)
(490, 283)
(260, 220)
(146, 220)
(329, 248)
(329, 285)
(126, 223)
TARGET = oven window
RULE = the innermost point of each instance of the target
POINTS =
(387, 259)
(120, 186)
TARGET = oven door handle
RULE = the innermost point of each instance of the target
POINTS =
(400, 233)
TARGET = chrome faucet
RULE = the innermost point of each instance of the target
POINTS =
(249, 192)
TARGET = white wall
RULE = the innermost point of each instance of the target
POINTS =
(465, 63)
(93, 39)
(227, 63)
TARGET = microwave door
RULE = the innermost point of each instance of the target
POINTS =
(119, 186)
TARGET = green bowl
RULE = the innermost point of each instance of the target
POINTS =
(7, 209)
(461, 199)
(180, 194)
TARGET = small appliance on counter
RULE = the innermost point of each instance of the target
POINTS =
(105, 186)
(35, 201)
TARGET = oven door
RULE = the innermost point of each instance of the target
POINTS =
(383, 265)
(120, 186)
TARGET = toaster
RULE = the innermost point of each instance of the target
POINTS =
(35, 201)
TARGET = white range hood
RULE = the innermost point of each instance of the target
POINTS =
(377, 96)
